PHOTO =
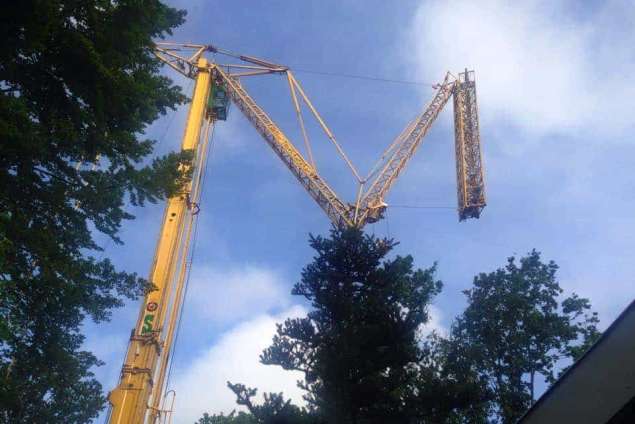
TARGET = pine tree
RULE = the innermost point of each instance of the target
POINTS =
(358, 347)
(78, 85)
(274, 410)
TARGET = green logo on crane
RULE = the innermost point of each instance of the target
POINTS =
(147, 324)
(149, 318)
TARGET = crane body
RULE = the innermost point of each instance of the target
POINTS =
(140, 395)
(148, 351)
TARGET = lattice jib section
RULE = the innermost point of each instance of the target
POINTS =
(469, 163)
(303, 171)
(373, 201)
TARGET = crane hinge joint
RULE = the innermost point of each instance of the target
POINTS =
(149, 338)
(128, 369)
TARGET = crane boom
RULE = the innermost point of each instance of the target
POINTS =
(469, 166)
(372, 203)
(306, 174)
(469, 162)
(136, 398)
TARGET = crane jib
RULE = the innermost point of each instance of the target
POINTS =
(139, 395)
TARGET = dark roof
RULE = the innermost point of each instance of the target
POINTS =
(599, 387)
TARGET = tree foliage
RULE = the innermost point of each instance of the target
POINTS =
(448, 388)
(516, 328)
(363, 360)
(273, 410)
(358, 345)
(78, 85)
(232, 418)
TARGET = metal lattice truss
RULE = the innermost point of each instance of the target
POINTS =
(469, 163)
(369, 205)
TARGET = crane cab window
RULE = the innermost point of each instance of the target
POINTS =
(218, 102)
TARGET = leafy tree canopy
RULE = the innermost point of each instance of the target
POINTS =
(448, 388)
(517, 326)
(78, 86)
(362, 358)
(274, 410)
(360, 348)
(232, 418)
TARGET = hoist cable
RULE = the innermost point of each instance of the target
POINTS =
(361, 77)
(203, 177)
(171, 120)
(330, 74)
(325, 128)
(421, 207)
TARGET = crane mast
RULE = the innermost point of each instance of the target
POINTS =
(139, 396)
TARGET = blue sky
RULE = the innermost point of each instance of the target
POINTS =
(555, 89)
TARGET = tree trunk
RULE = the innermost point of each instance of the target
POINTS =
(531, 385)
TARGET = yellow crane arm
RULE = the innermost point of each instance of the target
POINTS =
(372, 205)
(369, 205)
(306, 174)
(469, 164)
(137, 397)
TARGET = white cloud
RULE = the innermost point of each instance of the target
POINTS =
(435, 323)
(227, 295)
(545, 67)
(202, 387)
(230, 135)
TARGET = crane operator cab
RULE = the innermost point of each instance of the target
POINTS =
(218, 101)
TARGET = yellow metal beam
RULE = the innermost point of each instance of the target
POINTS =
(370, 205)
(179, 290)
(130, 399)
(139, 394)
(306, 174)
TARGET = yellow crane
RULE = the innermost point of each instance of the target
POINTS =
(139, 396)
